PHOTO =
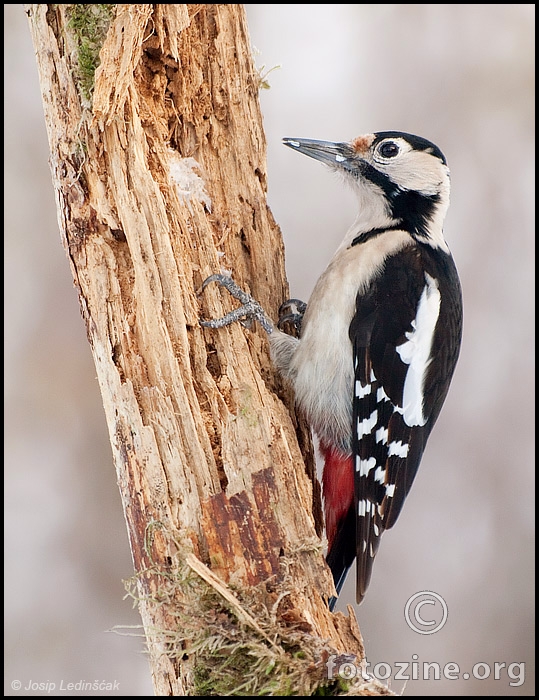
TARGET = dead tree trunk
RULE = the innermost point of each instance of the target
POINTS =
(158, 162)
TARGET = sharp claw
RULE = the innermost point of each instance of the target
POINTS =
(289, 318)
(211, 278)
(296, 305)
(295, 315)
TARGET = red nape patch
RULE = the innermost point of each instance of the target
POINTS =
(337, 487)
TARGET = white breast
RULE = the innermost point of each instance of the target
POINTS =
(321, 368)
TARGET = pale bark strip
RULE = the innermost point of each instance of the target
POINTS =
(160, 184)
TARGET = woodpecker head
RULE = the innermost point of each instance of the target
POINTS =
(402, 181)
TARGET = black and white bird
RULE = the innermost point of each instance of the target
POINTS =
(379, 338)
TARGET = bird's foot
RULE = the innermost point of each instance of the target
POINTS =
(250, 310)
(291, 312)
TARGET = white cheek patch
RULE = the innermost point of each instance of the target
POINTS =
(416, 352)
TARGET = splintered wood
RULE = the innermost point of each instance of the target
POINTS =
(160, 182)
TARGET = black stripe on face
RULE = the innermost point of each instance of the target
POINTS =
(413, 210)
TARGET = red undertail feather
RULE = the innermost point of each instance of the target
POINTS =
(338, 488)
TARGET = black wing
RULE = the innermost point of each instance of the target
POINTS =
(406, 337)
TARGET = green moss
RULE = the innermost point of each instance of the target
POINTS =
(229, 655)
(88, 26)
(231, 659)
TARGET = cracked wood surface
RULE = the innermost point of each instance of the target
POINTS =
(160, 183)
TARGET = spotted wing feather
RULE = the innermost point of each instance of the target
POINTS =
(399, 326)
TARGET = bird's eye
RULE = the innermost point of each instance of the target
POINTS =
(388, 149)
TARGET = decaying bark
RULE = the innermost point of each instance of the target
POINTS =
(158, 162)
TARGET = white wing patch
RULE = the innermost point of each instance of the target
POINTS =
(416, 352)
(366, 426)
(380, 475)
(361, 390)
(390, 490)
(398, 448)
(365, 507)
(364, 466)
(381, 435)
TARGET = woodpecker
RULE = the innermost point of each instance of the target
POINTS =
(378, 339)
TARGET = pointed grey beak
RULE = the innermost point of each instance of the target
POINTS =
(328, 152)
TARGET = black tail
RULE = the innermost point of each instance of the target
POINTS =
(342, 553)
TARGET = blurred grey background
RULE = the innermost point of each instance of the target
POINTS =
(459, 75)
